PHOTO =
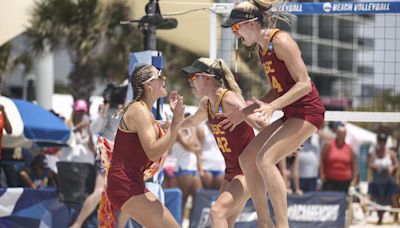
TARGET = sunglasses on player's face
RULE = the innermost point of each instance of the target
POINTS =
(160, 75)
(194, 76)
(236, 27)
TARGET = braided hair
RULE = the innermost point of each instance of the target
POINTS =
(139, 75)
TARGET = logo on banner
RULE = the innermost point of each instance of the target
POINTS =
(291, 8)
(372, 7)
(205, 220)
(313, 212)
(327, 7)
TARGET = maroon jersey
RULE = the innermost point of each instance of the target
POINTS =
(230, 143)
(127, 170)
(282, 81)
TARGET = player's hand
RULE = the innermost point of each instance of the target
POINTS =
(165, 124)
(233, 119)
(177, 108)
(264, 111)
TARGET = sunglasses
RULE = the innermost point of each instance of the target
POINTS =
(236, 27)
(160, 75)
(194, 76)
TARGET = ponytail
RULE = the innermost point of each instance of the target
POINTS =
(228, 78)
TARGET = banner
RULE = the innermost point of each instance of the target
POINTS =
(317, 209)
(200, 216)
(34, 208)
(25, 207)
(339, 7)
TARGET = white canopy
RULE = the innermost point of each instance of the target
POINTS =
(17, 137)
(191, 34)
(356, 136)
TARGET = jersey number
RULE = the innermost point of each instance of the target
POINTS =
(223, 144)
(276, 85)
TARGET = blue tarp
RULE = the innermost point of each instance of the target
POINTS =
(42, 127)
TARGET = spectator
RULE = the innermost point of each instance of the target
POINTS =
(309, 161)
(168, 168)
(186, 169)
(82, 146)
(289, 168)
(4, 124)
(338, 163)
(38, 175)
(105, 124)
(383, 164)
(212, 161)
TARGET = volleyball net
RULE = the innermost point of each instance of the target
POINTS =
(351, 50)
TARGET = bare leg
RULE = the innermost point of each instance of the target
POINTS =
(156, 214)
(282, 143)
(233, 197)
(193, 189)
(206, 180)
(170, 183)
(233, 217)
(185, 183)
(195, 185)
(254, 179)
(122, 219)
(217, 182)
(90, 202)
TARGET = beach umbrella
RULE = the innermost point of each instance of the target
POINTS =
(33, 125)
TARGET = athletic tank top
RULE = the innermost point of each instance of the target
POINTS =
(282, 81)
(384, 162)
(129, 160)
(230, 143)
(338, 162)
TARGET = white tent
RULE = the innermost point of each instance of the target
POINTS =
(191, 34)
(356, 136)
(14, 18)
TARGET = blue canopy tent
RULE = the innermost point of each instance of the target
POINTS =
(41, 128)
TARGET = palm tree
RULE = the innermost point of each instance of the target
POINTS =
(5, 51)
(9, 62)
(90, 30)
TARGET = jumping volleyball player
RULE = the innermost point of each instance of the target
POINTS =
(292, 91)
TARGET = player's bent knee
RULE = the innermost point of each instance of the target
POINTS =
(218, 212)
(264, 163)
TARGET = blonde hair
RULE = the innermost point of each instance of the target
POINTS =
(223, 74)
(228, 79)
(271, 17)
